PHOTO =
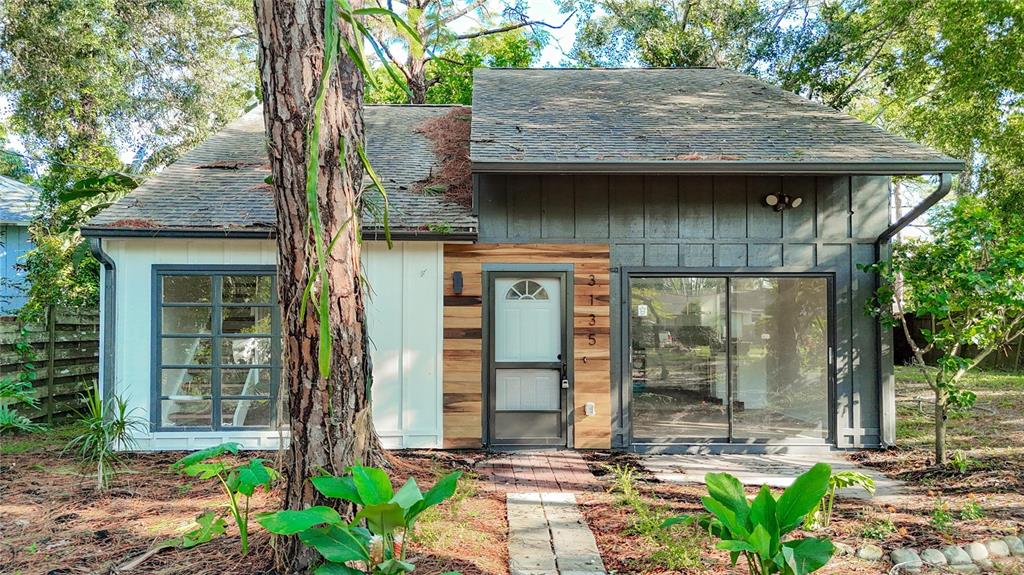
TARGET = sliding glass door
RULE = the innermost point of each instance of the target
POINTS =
(717, 359)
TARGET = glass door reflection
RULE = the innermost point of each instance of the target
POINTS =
(680, 375)
(738, 359)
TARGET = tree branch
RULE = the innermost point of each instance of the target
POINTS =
(515, 26)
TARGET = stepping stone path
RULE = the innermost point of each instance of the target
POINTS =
(547, 535)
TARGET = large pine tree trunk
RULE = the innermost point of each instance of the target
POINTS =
(331, 427)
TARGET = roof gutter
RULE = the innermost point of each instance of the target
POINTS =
(876, 168)
(108, 320)
(886, 384)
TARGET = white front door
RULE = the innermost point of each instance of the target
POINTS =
(528, 391)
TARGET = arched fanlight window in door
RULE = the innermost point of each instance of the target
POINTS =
(526, 289)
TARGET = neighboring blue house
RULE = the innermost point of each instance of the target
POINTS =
(18, 204)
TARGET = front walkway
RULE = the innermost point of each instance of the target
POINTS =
(537, 472)
(547, 534)
(774, 470)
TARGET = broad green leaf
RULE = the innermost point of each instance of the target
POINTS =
(208, 453)
(373, 484)
(209, 527)
(735, 545)
(336, 543)
(443, 489)
(802, 497)
(761, 541)
(292, 521)
(810, 554)
(408, 495)
(382, 518)
(336, 569)
(337, 488)
(763, 512)
(728, 490)
(727, 518)
(247, 478)
(394, 567)
(205, 470)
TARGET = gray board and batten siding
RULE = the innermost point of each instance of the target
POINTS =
(709, 223)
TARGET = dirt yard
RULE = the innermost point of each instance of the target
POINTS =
(54, 522)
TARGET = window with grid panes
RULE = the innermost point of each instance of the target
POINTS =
(218, 349)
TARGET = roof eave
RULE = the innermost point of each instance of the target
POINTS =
(880, 168)
(222, 233)
(401, 235)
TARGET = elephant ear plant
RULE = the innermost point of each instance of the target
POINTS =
(238, 481)
(756, 530)
(350, 548)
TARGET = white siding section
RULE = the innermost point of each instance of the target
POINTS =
(405, 324)
(405, 329)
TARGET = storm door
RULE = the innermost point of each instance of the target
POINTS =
(736, 359)
(529, 383)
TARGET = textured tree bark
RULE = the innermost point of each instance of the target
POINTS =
(330, 423)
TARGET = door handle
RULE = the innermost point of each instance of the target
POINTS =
(564, 373)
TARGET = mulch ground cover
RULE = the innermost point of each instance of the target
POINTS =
(626, 551)
(53, 521)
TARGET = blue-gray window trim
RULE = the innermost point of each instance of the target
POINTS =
(156, 349)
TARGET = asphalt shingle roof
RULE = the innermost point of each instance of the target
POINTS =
(219, 185)
(685, 118)
(18, 202)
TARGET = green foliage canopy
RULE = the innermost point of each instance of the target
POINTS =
(450, 72)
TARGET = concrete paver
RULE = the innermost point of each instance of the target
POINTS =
(548, 536)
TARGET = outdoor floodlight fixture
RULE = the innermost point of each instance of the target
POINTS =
(457, 283)
(779, 202)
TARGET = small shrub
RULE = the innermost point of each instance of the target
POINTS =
(822, 516)
(678, 548)
(942, 519)
(237, 482)
(383, 511)
(878, 529)
(623, 481)
(972, 511)
(756, 530)
(108, 429)
(961, 462)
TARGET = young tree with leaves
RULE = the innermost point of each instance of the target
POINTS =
(970, 278)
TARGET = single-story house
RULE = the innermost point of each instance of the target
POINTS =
(641, 259)
(18, 205)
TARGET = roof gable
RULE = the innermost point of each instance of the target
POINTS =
(680, 120)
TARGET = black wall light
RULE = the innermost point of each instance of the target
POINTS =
(779, 202)
(457, 283)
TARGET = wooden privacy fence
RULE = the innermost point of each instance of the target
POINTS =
(59, 355)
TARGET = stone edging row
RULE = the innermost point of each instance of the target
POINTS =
(971, 558)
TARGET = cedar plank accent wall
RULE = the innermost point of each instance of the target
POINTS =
(463, 337)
